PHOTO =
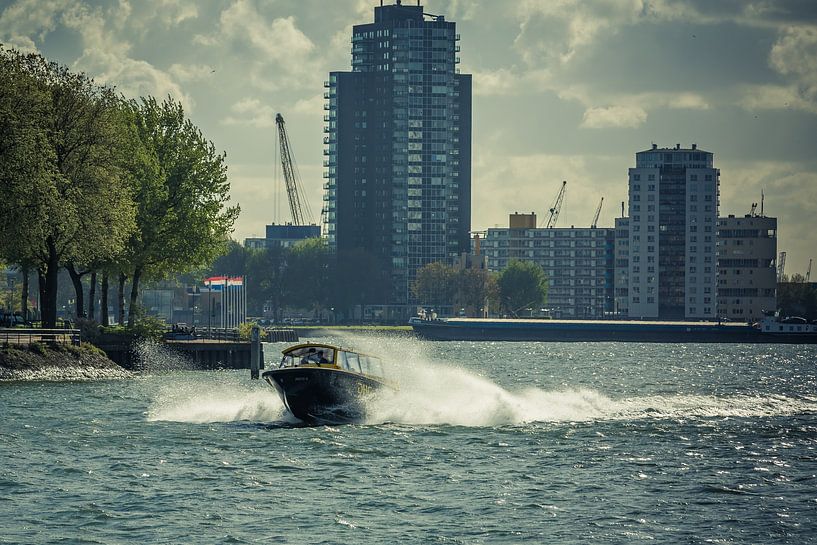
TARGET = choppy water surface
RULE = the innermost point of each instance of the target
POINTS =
(484, 443)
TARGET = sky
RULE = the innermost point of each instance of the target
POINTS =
(563, 90)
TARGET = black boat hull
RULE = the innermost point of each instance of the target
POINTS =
(321, 395)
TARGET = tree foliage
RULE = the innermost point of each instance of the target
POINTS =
(472, 290)
(66, 197)
(434, 284)
(181, 189)
(796, 297)
(92, 182)
(522, 284)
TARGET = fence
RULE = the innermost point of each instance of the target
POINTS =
(24, 337)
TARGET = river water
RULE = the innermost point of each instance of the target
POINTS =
(485, 443)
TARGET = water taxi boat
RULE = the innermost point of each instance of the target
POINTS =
(325, 384)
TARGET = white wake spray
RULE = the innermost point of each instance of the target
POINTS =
(432, 391)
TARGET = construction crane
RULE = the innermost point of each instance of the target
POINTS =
(808, 271)
(557, 205)
(596, 217)
(753, 211)
(298, 206)
(781, 266)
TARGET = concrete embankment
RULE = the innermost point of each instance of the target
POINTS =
(43, 361)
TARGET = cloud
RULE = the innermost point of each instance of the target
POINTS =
(28, 20)
(613, 116)
(175, 12)
(107, 58)
(280, 55)
(774, 97)
(310, 106)
(190, 72)
(795, 55)
(511, 81)
(251, 112)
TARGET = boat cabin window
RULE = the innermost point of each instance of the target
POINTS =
(371, 366)
(308, 355)
(350, 361)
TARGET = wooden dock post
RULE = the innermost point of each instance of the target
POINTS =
(255, 352)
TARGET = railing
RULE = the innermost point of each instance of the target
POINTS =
(218, 335)
(24, 337)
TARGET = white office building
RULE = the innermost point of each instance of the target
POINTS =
(673, 215)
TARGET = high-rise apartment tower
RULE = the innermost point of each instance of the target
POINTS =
(672, 234)
(398, 146)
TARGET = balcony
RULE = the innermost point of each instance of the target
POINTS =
(326, 83)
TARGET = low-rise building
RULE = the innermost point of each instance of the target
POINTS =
(747, 272)
(283, 236)
(578, 263)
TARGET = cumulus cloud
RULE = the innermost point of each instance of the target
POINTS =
(280, 54)
(24, 22)
(775, 97)
(107, 58)
(190, 72)
(175, 12)
(511, 81)
(613, 116)
(251, 112)
(795, 55)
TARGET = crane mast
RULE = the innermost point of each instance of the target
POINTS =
(297, 203)
(808, 272)
(557, 205)
(598, 213)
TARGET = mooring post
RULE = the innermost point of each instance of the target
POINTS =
(255, 352)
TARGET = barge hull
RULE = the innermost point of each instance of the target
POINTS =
(602, 330)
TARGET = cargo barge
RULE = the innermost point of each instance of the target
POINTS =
(769, 330)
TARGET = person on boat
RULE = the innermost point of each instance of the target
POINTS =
(309, 357)
(322, 357)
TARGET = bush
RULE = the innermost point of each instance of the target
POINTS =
(149, 327)
(245, 330)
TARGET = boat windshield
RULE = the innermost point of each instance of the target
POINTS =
(360, 363)
(308, 355)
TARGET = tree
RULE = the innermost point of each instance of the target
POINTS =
(180, 184)
(522, 284)
(435, 284)
(65, 199)
(307, 275)
(476, 289)
(796, 297)
(359, 278)
(266, 277)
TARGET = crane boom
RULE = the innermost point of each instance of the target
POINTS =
(297, 203)
(557, 206)
(598, 213)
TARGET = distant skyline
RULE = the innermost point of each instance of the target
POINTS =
(563, 90)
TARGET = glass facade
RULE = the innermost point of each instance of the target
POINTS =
(397, 146)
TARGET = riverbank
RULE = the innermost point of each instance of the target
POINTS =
(307, 331)
(57, 362)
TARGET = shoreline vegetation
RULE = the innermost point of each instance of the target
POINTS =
(57, 362)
